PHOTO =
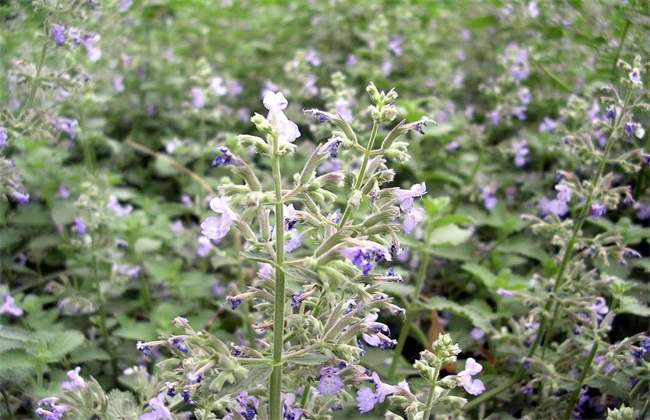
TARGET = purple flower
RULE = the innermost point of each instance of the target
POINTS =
(473, 387)
(313, 59)
(366, 254)
(407, 197)
(9, 307)
(533, 11)
(495, 117)
(143, 348)
(395, 45)
(520, 149)
(125, 5)
(366, 399)
(343, 107)
(503, 292)
(413, 217)
(634, 129)
(118, 83)
(160, 412)
(598, 210)
(225, 158)
(3, 138)
(563, 192)
(383, 390)
(119, 210)
(217, 228)
(296, 299)
(64, 192)
(20, 195)
(524, 95)
(275, 103)
(477, 333)
(204, 248)
(351, 60)
(57, 34)
(489, 198)
(198, 98)
(377, 338)
(548, 126)
(290, 413)
(67, 125)
(76, 380)
(329, 383)
(295, 241)
(555, 206)
(53, 411)
(89, 41)
(599, 308)
(643, 211)
(80, 225)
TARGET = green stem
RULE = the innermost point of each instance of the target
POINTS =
(568, 254)
(622, 41)
(275, 385)
(585, 370)
(646, 409)
(362, 171)
(102, 310)
(411, 312)
(37, 80)
(5, 396)
(429, 403)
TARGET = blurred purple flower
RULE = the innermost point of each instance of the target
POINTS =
(118, 83)
(412, 219)
(598, 210)
(533, 11)
(3, 138)
(80, 225)
(58, 34)
(313, 59)
(160, 412)
(477, 333)
(198, 98)
(204, 248)
(88, 41)
(8, 307)
(520, 149)
(67, 125)
(119, 210)
(395, 45)
(64, 192)
(548, 125)
(76, 380)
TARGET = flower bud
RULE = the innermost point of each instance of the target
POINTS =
(262, 124)
(355, 200)
(258, 143)
(388, 114)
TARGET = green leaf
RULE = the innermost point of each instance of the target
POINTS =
(122, 406)
(147, 245)
(631, 305)
(478, 318)
(140, 331)
(449, 235)
(257, 256)
(88, 354)
(258, 374)
(398, 289)
(60, 343)
(311, 359)
(451, 219)
(483, 274)
(14, 359)
(302, 273)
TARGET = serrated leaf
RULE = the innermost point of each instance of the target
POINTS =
(88, 354)
(258, 374)
(147, 245)
(14, 359)
(15, 334)
(398, 289)
(478, 318)
(257, 256)
(311, 359)
(302, 273)
(60, 343)
(631, 305)
(483, 274)
(122, 406)
(449, 235)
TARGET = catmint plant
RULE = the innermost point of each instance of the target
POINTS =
(317, 294)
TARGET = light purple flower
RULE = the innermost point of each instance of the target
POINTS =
(20, 195)
(366, 254)
(289, 411)
(198, 98)
(313, 59)
(563, 192)
(598, 210)
(343, 107)
(118, 83)
(160, 412)
(383, 390)
(520, 149)
(533, 11)
(395, 45)
(204, 248)
(125, 5)
(489, 198)
(407, 197)
(64, 192)
(413, 217)
(218, 87)
(477, 333)
(89, 40)
(366, 399)
(276, 103)
(634, 129)
(351, 60)
(217, 228)
(80, 225)
(643, 211)
(548, 125)
(329, 383)
(67, 125)
(473, 387)
(58, 34)
(8, 307)
(599, 308)
(76, 380)
(3, 138)
(556, 206)
(503, 292)
(117, 208)
(295, 241)
(524, 95)
(495, 117)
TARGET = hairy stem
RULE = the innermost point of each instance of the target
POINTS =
(411, 312)
(362, 172)
(583, 376)
(275, 385)
(429, 403)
